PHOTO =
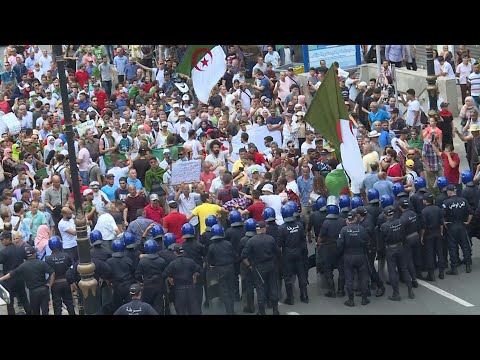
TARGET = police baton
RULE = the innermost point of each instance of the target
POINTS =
(261, 278)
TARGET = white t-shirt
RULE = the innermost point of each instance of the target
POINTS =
(446, 67)
(45, 62)
(196, 147)
(352, 89)
(98, 202)
(412, 107)
(275, 202)
(84, 156)
(182, 129)
(69, 241)
(273, 58)
(107, 226)
(475, 84)
(464, 71)
(118, 172)
(292, 185)
(186, 206)
(216, 186)
(306, 146)
(220, 160)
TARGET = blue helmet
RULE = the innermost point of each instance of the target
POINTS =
(356, 202)
(210, 220)
(373, 195)
(250, 226)
(268, 214)
(467, 176)
(333, 210)
(321, 203)
(293, 205)
(96, 237)
(157, 231)
(188, 231)
(235, 218)
(55, 243)
(169, 239)
(343, 201)
(150, 247)
(217, 232)
(397, 188)
(442, 181)
(420, 183)
(118, 245)
(287, 212)
(128, 240)
(386, 200)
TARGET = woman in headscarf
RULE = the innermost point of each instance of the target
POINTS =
(46, 183)
(465, 110)
(49, 147)
(41, 241)
(9, 166)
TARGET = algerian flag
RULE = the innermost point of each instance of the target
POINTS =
(328, 115)
(206, 64)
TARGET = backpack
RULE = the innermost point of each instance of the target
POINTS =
(58, 169)
(294, 197)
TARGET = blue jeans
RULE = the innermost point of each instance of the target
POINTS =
(84, 176)
(109, 49)
(107, 85)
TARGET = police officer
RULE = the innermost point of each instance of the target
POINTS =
(260, 255)
(182, 273)
(457, 214)
(344, 203)
(416, 200)
(392, 235)
(233, 234)
(365, 219)
(400, 194)
(220, 258)
(327, 246)
(205, 240)
(432, 235)
(60, 262)
(136, 306)
(356, 202)
(373, 206)
(442, 183)
(246, 275)
(298, 218)
(11, 257)
(122, 273)
(471, 193)
(318, 215)
(352, 244)
(131, 248)
(293, 243)
(149, 272)
(168, 255)
(97, 251)
(195, 251)
(385, 201)
(156, 233)
(33, 272)
(408, 219)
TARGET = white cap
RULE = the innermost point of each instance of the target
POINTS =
(164, 123)
(87, 192)
(362, 84)
(300, 113)
(185, 97)
(373, 133)
(64, 152)
(180, 113)
(176, 105)
(268, 187)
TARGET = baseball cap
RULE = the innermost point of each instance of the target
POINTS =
(268, 187)
(153, 197)
(185, 97)
(362, 83)
(373, 133)
(29, 251)
(260, 225)
(176, 105)
(178, 248)
(351, 215)
(50, 91)
(300, 113)
(405, 203)
(181, 113)
(450, 187)
(409, 163)
(444, 104)
(209, 131)
(6, 235)
(64, 152)
(164, 124)
(94, 183)
(87, 192)
(166, 151)
(135, 289)
(428, 196)
(361, 210)
(388, 210)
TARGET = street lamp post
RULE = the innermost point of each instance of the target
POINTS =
(432, 87)
(86, 268)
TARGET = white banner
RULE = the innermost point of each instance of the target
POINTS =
(83, 127)
(186, 171)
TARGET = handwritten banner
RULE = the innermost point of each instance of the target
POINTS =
(84, 127)
(186, 171)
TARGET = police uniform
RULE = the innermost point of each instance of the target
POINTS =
(234, 235)
(99, 252)
(136, 306)
(182, 270)
(456, 211)
(439, 202)
(352, 244)
(262, 252)
(221, 257)
(196, 251)
(11, 257)
(60, 262)
(471, 193)
(409, 220)
(381, 248)
(327, 251)
(316, 219)
(33, 272)
(272, 230)
(432, 238)
(168, 255)
(246, 275)
(205, 240)
(374, 210)
(149, 271)
(396, 204)
(134, 255)
(392, 233)
(122, 273)
(293, 243)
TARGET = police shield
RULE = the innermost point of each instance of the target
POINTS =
(212, 285)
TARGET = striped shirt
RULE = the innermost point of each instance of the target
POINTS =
(475, 84)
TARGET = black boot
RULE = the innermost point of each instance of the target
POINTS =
(415, 284)
(350, 301)
(261, 310)
(430, 276)
(304, 295)
(289, 298)
(468, 268)
(275, 308)
(453, 271)
(441, 274)
(420, 275)
(365, 300)
(411, 295)
(380, 291)
(269, 304)
(340, 292)
(331, 292)
(395, 296)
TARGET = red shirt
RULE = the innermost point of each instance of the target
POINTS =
(259, 159)
(82, 78)
(452, 174)
(207, 179)
(173, 222)
(102, 97)
(147, 87)
(256, 210)
(155, 214)
(395, 170)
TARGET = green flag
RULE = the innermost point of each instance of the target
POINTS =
(326, 110)
(206, 65)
